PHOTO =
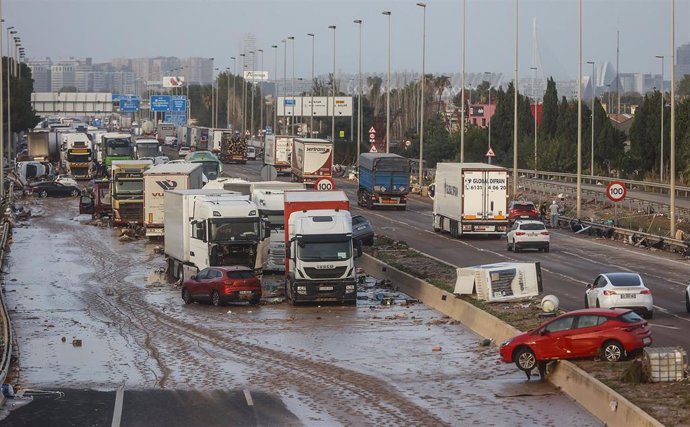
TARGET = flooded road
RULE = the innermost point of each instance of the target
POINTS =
(92, 312)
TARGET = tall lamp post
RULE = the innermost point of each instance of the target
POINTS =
(463, 114)
(593, 80)
(672, 142)
(388, 86)
(311, 90)
(421, 125)
(275, 88)
(253, 89)
(515, 107)
(284, 84)
(234, 68)
(578, 186)
(261, 105)
(215, 105)
(534, 95)
(10, 34)
(661, 161)
(332, 27)
(244, 94)
(359, 95)
(489, 114)
(292, 88)
(213, 77)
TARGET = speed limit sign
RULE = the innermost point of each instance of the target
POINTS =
(324, 184)
(616, 191)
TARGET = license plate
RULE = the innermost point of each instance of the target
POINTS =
(326, 288)
(524, 216)
(484, 228)
(390, 201)
(628, 296)
(245, 292)
(646, 341)
(361, 227)
(532, 234)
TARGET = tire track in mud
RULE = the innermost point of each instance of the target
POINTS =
(345, 394)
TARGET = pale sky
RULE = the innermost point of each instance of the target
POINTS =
(106, 29)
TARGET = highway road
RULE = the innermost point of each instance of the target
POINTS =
(573, 262)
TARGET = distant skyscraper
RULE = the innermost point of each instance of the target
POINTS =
(40, 72)
(249, 45)
(682, 61)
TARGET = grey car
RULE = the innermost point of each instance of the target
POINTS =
(362, 230)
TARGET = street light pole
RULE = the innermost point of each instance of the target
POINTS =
(593, 80)
(661, 161)
(515, 107)
(10, 33)
(212, 80)
(234, 67)
(421, 131)
(311, 89)
(284, 84)
(292, 88)
(388, 86)
(261, 105)
(579, 115)
(490, 114)
(534, 95)
(359, 97)
(463, 114)
(244, 94)
(2, 142)
(275, 89)
(253, 89)
(672, 154)
(332, 27)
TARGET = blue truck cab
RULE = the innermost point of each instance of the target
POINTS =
(384, 180)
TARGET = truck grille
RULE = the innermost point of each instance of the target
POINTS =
(334, 273)
(132, 212)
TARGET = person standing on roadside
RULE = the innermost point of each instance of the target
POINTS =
(553, 210)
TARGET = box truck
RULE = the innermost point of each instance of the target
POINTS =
(470, 198)
(161, 178)
(384, 180)
(127, 191)
(311, 159)
(277, 153)
(319, 250)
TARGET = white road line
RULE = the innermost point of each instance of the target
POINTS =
(656, 325)
(248, 398)
(117, 411)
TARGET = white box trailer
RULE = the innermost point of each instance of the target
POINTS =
(161, 178)
(312, 159)
(470, 198)
(503, 281)
(277, 152)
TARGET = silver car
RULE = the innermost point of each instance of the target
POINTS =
(620, 290)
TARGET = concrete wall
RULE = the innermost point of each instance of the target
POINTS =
(602, 402)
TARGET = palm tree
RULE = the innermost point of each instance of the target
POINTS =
(441, 83)
(374, 95)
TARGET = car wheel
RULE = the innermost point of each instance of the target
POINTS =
(612, 351)
(74, 193)
(43, 194)
(186, 296)
(215, 298)
(515, 248)
(687, 303)
(586, 302)
(525, 360)
(510, 248)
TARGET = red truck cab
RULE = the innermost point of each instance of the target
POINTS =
(97, 202)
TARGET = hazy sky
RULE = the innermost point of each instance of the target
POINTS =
(106, 29)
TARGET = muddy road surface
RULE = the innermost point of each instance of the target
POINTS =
(93, 312)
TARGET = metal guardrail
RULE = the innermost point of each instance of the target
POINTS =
(653, 187)
(6, 333)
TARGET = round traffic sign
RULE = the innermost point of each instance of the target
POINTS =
(325, 183)
(616, 191)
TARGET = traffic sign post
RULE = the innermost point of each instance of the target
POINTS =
(616, 191)
(325, 183)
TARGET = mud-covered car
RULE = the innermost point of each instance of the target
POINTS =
(54, 189)
(362, 230)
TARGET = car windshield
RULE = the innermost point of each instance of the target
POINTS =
(325, 251)
(630, 317)
(532, 226)
(225, 230)
(624, 279)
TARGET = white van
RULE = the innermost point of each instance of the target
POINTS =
(251, 153)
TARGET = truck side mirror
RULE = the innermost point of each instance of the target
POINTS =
(432, 190)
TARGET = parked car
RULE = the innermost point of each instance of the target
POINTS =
(521, 209)
(54, 189)
(687, 299)
(611, 334)
(200, 155)
(67, 180)
(362, 230)
(219, 285)
(183, 151)
(525, 234)
(620, 290)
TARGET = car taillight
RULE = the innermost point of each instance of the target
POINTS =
(229, 283)
(545, 233)
(519, 233)
(609, 292)
(645, 292)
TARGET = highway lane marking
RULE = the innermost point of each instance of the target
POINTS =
(664, 326)
(117, 411)
(248, 398)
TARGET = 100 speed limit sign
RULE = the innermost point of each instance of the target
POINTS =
(324, 184)
(616, 191)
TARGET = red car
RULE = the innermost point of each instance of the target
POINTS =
(520, 209)
(219, 285)
(608, 333)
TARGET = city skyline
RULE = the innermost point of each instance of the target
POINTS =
(151, 31)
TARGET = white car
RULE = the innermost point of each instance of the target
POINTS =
(183, 151)
(620, 290)
(251, 153)
(67, 180)
(526, 234)
(687, 299)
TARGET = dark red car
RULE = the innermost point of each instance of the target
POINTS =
(608, 333)
(521, 209)
(219, 285)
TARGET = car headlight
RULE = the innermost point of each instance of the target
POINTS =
(506, 342)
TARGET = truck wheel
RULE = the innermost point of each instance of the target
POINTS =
(453, 229)
(437, 224)
(171, 270)
(180, 274)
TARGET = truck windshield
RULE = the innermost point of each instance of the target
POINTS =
(118, 147)
(148, 150)
(241, 229)
(79, 156)
(275, 219)
(325, 251)
(210, 168)
(129, 186)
